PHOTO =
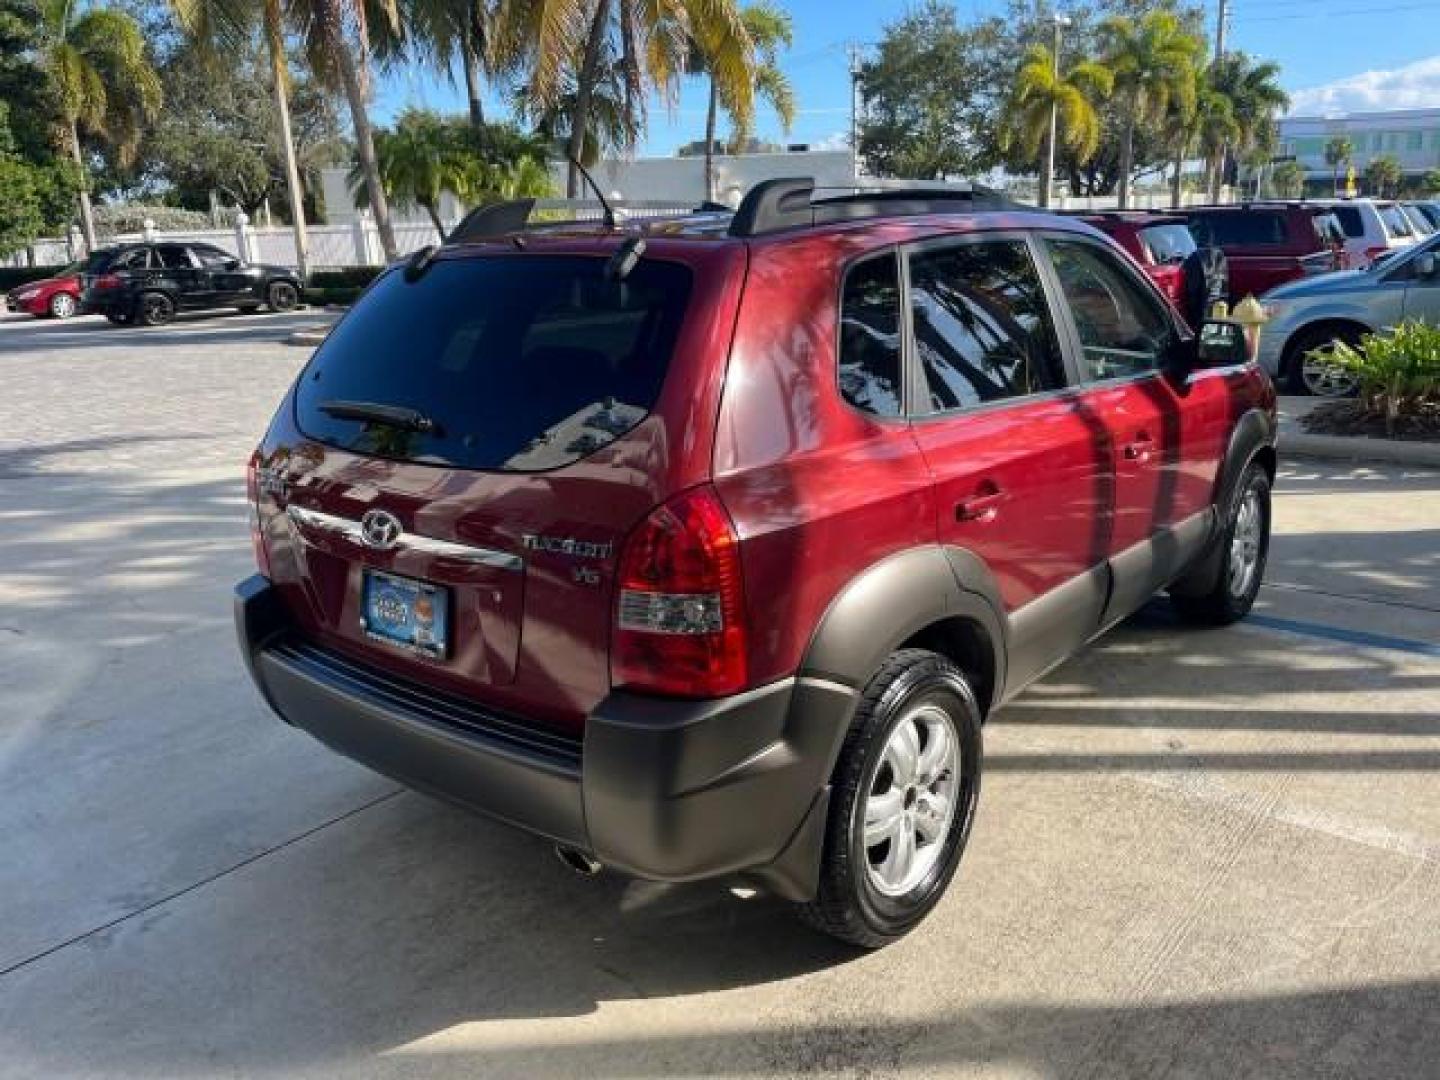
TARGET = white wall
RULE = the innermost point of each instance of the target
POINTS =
(683, 178)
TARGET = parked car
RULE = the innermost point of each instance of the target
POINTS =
(1308, 317)
(1268, 244)
(1193, 279)
(56, 297)
(704, 547)
(149, 283)
(1371, 228)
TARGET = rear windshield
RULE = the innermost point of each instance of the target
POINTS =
(1240, 228)
(1396, 223)
(1168, 245)
(516, 363)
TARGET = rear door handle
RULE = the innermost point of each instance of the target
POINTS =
(982, 506)
(1139, 450)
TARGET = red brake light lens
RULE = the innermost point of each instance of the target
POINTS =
(252, 498)
(108, 281)
(680, 614)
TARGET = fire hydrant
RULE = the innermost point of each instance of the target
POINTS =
(1251, 316)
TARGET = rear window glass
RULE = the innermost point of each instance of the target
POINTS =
(1396, 223)
(1168, 245)
(1350, 220)
(514, 363)
(1245, 228)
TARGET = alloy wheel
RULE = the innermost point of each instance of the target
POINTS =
(1325, 378)
(282, 296)
(62, 305)
(1245, 542)
(911, 800)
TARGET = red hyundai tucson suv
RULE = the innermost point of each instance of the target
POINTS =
(705, 547)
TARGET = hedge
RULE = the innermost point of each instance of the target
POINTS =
(12, 276)
(351, 277)
(320, 297)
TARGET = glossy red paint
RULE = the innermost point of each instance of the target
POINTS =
(817, 491)
(35, 297)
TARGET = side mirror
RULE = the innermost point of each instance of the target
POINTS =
(1425, 265)
(1221, 343)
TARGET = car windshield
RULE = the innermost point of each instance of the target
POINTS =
(1169, 244)
(1401, 256)
(516, 363)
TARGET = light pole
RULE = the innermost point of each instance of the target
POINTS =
(1047, 175)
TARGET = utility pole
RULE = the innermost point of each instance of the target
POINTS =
(854, 52)
(1221, 18)
(1047, 175)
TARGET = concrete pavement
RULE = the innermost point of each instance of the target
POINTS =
(1199, 853)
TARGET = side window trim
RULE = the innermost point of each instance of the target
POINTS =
(1066, 318)
(917, 390)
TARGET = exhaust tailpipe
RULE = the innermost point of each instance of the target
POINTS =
(577, 860)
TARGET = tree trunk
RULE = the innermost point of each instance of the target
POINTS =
(1177, 191)
(580, 114)
(434, 212)
(280, 76)
(1218, 180)
(364, 136)
(710, 112)
(472, 83)
(87, 215)
(1127, 161)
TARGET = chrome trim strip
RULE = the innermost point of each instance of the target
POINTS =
(349, 530)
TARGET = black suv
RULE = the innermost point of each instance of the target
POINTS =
(149, 283)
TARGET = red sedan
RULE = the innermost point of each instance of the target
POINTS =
(57, 297)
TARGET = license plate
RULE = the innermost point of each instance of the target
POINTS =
(412, 615)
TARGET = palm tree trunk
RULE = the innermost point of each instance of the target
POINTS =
(584, 91)
(1217, 181)
(275, 33)
(1127, 160)
(472, 83)
(1176, 189)
(364, 136)
(710, 112)
(87, 215)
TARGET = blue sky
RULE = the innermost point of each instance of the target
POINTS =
(1336, 55)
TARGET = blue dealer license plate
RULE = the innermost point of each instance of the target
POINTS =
(410, 614)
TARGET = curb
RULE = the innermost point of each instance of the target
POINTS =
(1358, 448)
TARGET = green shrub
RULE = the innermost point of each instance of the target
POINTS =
(1398, 372)
(13, 276)
(340, 295)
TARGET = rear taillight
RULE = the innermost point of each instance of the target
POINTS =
(252, 498)
(680, 611)
(106, 281)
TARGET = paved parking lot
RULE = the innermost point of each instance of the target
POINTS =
(1198, 853)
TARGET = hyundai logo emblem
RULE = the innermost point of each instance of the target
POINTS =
(380, 529)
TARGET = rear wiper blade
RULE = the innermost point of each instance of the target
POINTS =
(396, 416)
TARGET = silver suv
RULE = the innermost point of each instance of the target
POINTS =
(1313, 313)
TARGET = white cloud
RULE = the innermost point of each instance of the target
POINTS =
(837, 140)
(1414, 86)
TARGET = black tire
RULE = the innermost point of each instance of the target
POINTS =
(1307, 341)
(848, 904)
(282, 296)
(63, 305)
(154, 309)
(1227, 601)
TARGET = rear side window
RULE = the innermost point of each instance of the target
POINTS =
(1396, 223)
(1329, 229)
(983, 330)
(513, 363)
(1243, 229)
(135, 259)
(1350, 220)
(1167, 245)
(173, 256)
(870, 336)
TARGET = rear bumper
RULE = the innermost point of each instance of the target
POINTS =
(662, 789)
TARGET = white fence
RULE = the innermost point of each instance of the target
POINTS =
(355, 243)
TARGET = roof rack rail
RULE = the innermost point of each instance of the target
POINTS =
(789, 203)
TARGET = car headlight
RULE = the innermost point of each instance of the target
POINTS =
(27, 294)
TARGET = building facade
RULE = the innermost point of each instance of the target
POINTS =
(1410, 136)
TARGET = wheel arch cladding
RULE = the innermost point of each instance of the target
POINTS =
(914, 598)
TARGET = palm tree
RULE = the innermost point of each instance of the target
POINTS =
(1253, 90)
(1205, 128)
(221, 27)
(337, 37)
(1153, 61)
(450, 33)
(770, 30)
(648, 41)
(105, 85)
(1339, 150)
(1041, 87)
(421, 158)
(1383, 176)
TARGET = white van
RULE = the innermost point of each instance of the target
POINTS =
(1371, 228)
